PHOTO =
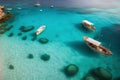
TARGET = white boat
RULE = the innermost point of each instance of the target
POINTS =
(9, 9)
(19, 8)
(96, 46)
(37, 4)
(41, 10)
(51, 6)
(88, 25)
(40, 29)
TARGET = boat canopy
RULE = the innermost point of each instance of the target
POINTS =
(86, 21)
(97, 43)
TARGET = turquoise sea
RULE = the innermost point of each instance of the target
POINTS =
(66, 45)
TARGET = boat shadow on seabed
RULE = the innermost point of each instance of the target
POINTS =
(111, 37)
(80, 27)
(82, 48)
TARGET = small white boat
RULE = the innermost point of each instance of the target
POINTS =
(37, 4)
(96, 46)
(40, 29)
(41, 10)
(9, 9)
(51, 6)
(19, 8)
(88, 25)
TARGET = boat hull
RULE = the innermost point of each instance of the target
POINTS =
(40, 30)
(88, 25)
(99, 49)
(104, 53)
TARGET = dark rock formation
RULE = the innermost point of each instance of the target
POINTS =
(90, 78)
(10, 35)
(24, 37)
(34, 38)
(43, 40)
(4, 28)
(30, 56)
(45, 57)
(19, 34)
(103, 74)
(2, 31)
(26, 29)
(11, 67)
(71, 70)
(9, 27)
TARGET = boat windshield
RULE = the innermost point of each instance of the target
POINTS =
(97, 43)
(85, 21)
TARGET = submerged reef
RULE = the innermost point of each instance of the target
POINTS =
(11, 67)
(4, 27)
(30, 56)
(103, 74)
(90, 78)
(10, 35)
(45, 57)
(71, 70)
(9, 27)
(98, 73)
(26, 29)
(19, 34)
(24, 37)
(43, 40)
(34, 36)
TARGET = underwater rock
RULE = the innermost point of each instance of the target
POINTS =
(9, 27)
(103, 74)
(11, 67)
(45, 57)
(24, 37)
(89, 78)
(30, 56)
(34, 38)
(43, 40)
(19, 34)
(2, 28)
(2, 31)
(33, 34)
(10, 35)
(71, 70)
(26, 29)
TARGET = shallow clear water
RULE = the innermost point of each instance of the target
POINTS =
(65, 46)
